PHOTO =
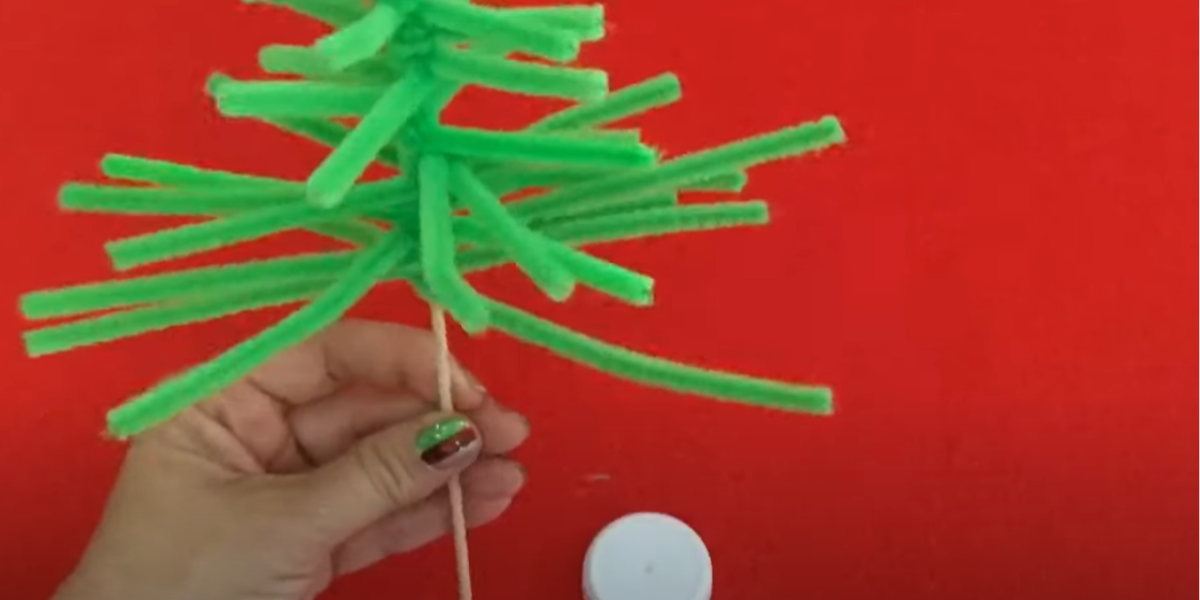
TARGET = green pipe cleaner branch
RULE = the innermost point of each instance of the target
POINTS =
(462, 200)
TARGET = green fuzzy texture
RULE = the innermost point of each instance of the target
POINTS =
(168, 399)
(438, 248)
(490, 25)
(372, 90)
(211, 235)
(293, 279)
(529, 250)
(728, 182)
(194, 309)
(616, 281)
(321, 131)
(307, 62)
(361, 39)
(206, 192)
(573, 231)
(170, 287)
(282, 59)
(656, 371)
(645, 223)
(520, 177)
(622, 187)
(215, 200)
(169, 174)
(218, 233)
(508, 75)
(638, 98)
(328, 184)
(541, 149)
(352, 231)
(291, 99)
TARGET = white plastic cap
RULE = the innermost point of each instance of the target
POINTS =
(647, 556)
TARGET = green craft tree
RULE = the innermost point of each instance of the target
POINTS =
(389, 69)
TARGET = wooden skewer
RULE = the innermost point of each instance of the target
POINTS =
(445, 400)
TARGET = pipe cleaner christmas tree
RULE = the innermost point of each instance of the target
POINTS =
(461, 199)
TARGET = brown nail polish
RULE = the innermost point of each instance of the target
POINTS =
(440, 443)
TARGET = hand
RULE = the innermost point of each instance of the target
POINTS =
(328, 459)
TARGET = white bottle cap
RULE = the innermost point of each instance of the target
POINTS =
(647, 556)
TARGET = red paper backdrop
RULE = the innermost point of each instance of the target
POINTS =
(996, 275)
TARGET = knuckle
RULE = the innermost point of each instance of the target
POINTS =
(386, 472)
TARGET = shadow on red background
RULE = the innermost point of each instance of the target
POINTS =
(996, 275)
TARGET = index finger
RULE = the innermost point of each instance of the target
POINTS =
(387, 356)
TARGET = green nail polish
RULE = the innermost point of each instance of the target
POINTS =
(443, 440)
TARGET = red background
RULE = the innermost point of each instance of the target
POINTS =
(996, 275)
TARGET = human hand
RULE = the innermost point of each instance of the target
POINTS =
(328, 459)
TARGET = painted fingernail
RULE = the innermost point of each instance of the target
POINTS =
(442, 443)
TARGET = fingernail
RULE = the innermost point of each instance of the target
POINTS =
(442, 443)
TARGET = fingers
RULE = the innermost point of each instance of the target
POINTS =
(390, 470)
(328, 428)
(382, 355)
(488, 489)
(493, 478)
(503, 428)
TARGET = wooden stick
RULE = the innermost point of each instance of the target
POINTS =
(457, 519)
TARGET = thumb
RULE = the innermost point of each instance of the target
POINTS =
(391, 470)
